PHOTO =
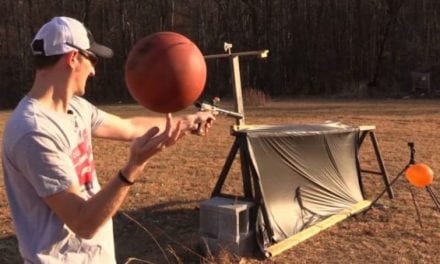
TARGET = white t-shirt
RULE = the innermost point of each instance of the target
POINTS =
(44, 153)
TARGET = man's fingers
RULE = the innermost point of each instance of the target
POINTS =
(168, 124)
(209, 123)
(149, 135)
(170, 135)
(153, 142)
(176, 133)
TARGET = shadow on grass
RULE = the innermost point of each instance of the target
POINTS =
(159, 233)
(162, 233)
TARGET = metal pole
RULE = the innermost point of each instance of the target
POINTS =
(236, 79)
(236, 84)
(434, 197)
(411, 162)
(260, 53)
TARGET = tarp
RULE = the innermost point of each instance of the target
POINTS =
(305, 173)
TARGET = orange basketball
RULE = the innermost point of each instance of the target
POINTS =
(420, 175)
(165, 72)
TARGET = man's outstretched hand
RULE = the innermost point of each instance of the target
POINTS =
(149, 144)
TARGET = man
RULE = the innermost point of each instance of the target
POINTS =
(60, 212)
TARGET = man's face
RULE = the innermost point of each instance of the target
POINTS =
(86, 69)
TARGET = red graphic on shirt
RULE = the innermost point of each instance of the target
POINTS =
(83, 161)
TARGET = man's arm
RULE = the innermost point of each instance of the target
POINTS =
(85, 217)
(127, 129)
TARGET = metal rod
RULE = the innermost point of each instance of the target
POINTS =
(236, 83)
(391, 184)
(234, 61)
(411, 162)
(434, 197)
(419, 217)
(259, 53)
(217, 110)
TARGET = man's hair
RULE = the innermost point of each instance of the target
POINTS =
(43, 62)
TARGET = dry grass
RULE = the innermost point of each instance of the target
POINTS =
(164, 202)
(255, 97)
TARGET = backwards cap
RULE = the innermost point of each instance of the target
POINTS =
(54, 36)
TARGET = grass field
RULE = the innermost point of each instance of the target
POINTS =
(158, 222)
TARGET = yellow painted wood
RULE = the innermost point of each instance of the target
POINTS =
(367, 128)
(315, 229)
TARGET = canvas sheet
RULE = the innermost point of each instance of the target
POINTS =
(305, 173)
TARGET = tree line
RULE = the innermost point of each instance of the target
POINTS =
(317, 47)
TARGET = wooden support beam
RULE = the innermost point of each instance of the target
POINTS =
(315, 229)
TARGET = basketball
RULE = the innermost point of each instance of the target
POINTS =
(165, 72)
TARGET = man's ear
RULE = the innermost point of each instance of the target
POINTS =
(71, 58)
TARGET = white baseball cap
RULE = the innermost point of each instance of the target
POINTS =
(64, 34)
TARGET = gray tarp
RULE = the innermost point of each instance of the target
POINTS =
(305, 173)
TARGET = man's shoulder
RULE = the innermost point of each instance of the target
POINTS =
(80, 103)
(23, 117)
(29, 118)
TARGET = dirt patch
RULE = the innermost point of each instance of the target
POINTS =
(159, 220)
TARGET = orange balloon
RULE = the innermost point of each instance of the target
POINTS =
(420, 175)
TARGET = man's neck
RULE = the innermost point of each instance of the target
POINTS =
(51, 90)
